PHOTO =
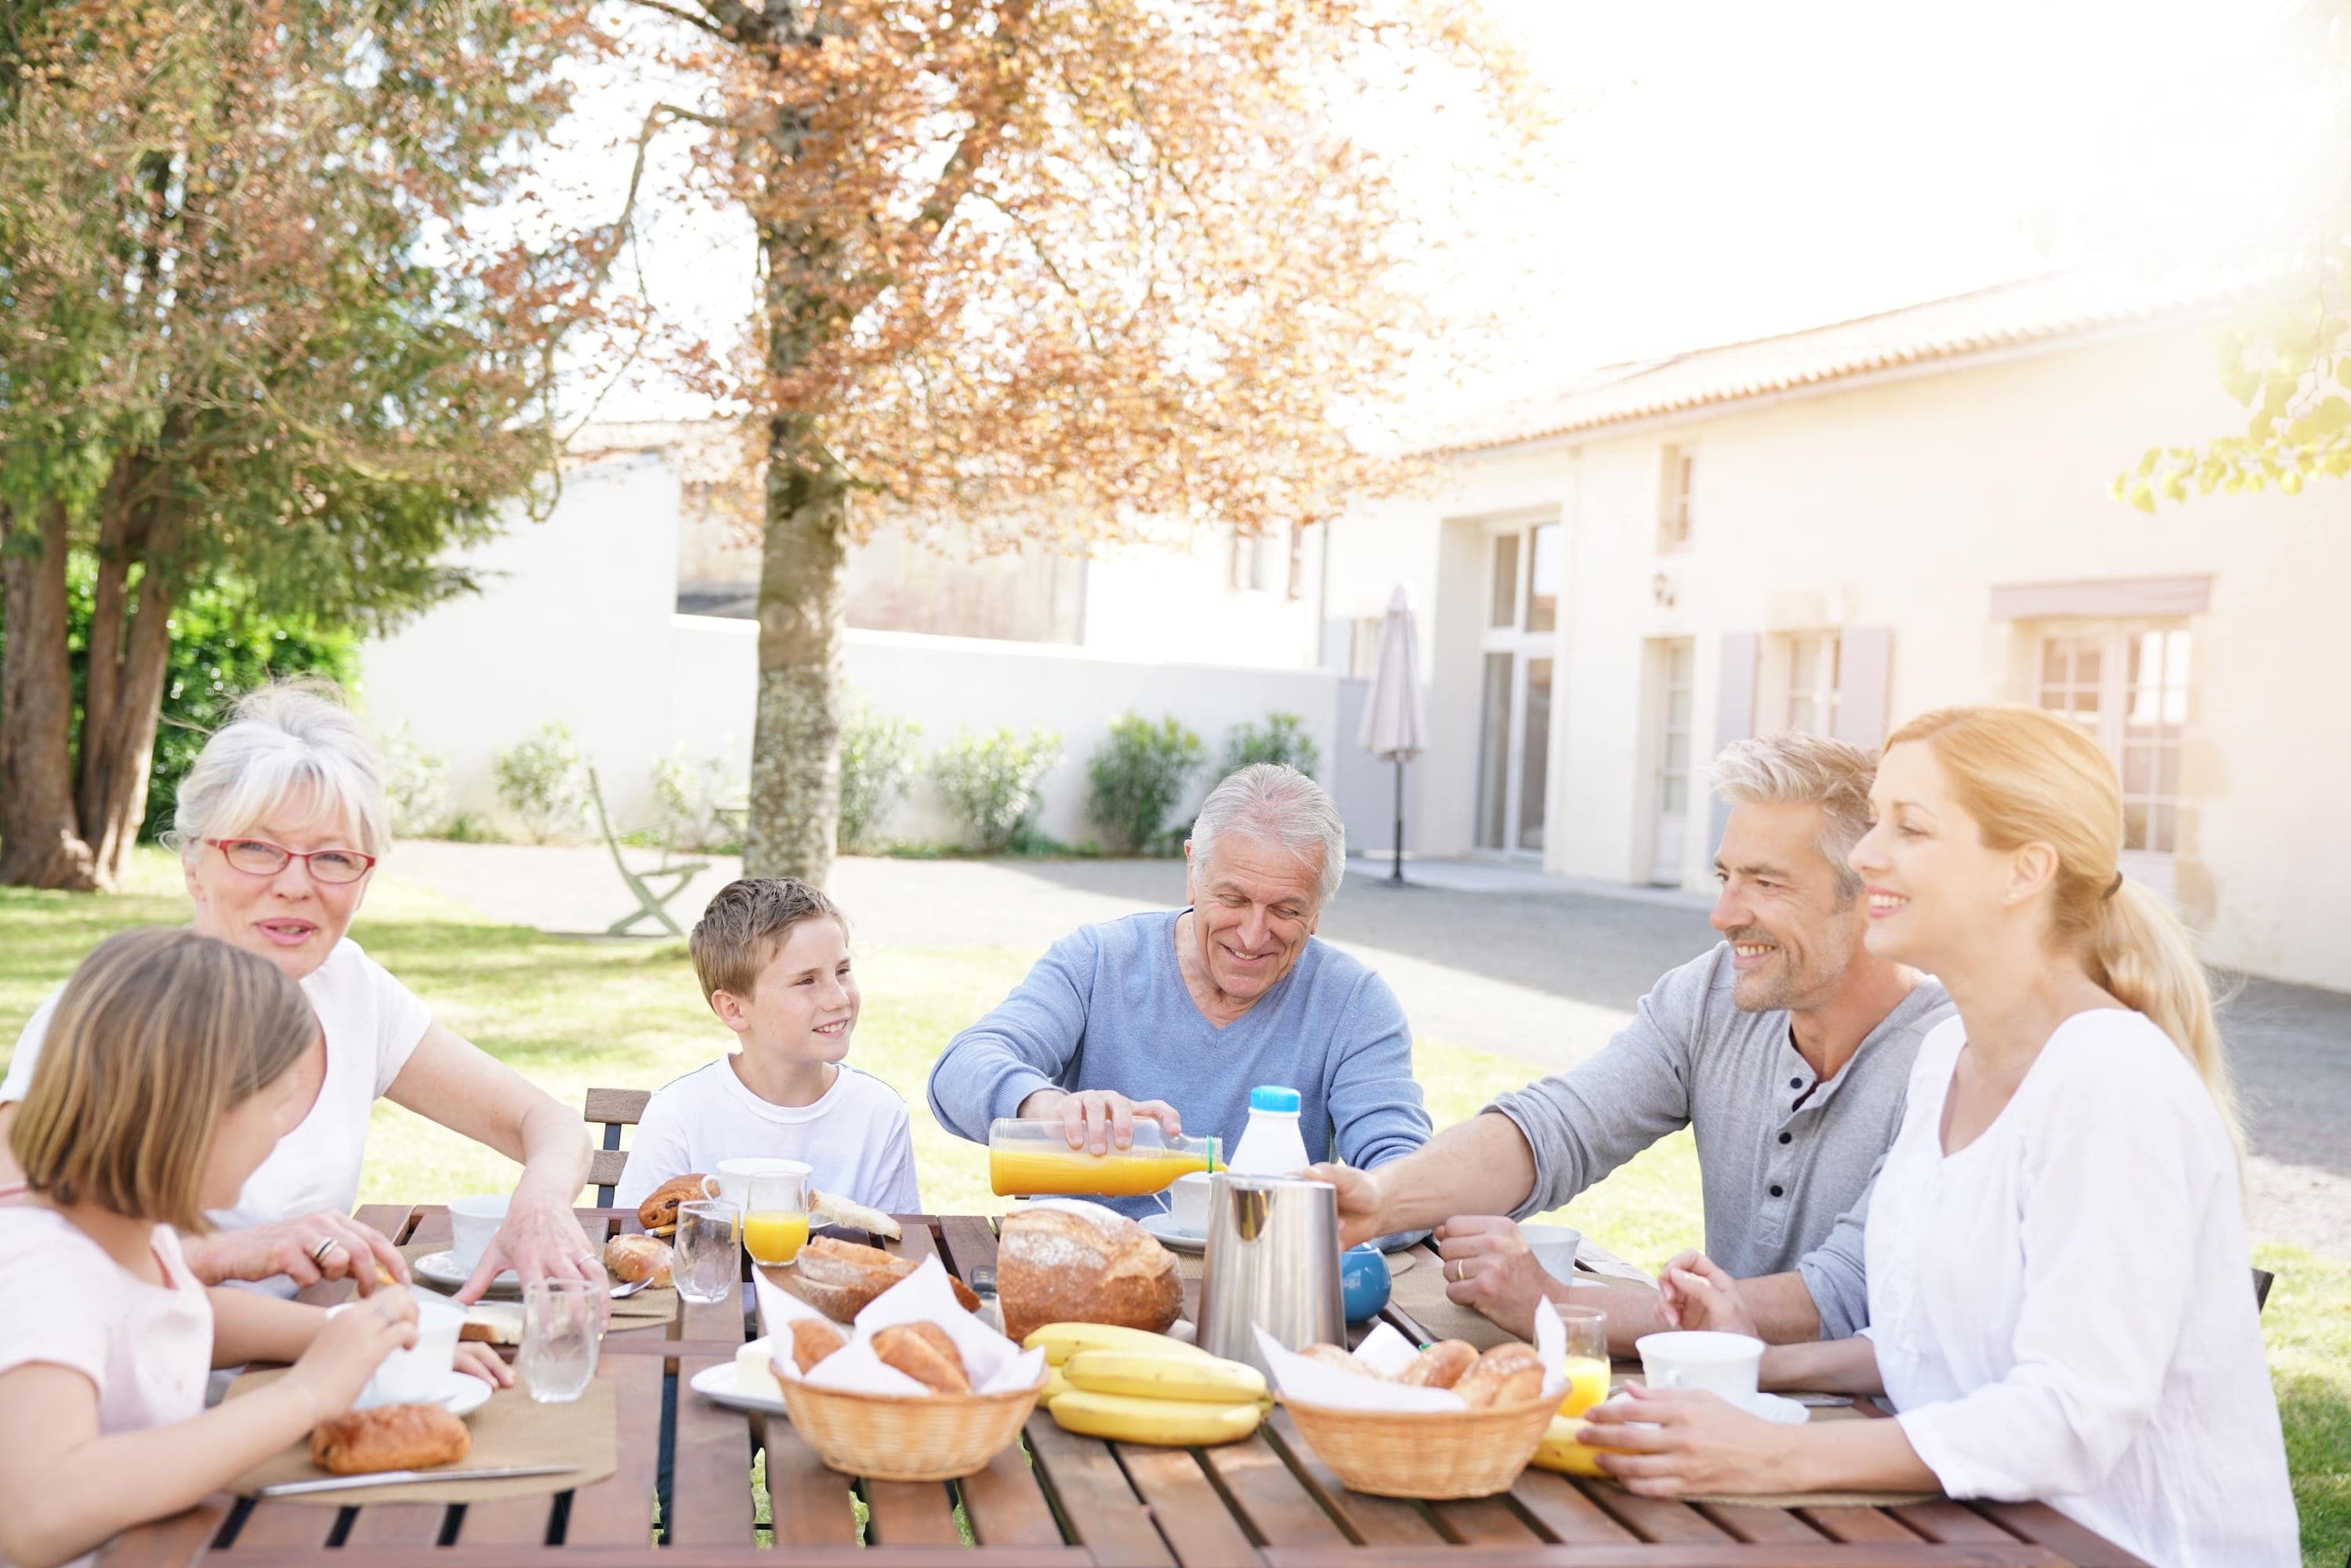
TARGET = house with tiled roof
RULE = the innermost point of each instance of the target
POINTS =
(1836, 529)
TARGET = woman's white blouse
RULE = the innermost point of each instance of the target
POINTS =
(2064, 1309)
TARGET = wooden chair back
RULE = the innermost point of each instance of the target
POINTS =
(2263, 1280)
(614, 1109)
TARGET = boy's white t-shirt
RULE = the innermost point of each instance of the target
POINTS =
(855, 1137)
(146, 1348)
(373, 1025)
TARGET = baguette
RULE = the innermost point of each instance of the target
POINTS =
(924, 1353)
(825, 1208)
(841, 1278)
(1083, 1264)
(388, 1438)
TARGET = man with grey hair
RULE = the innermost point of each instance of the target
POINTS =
(1176, 1015)
(1786, 1050)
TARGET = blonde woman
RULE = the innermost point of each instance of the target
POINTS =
(2060, 1294)
(278, 826)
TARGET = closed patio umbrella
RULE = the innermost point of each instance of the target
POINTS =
(1395, 727)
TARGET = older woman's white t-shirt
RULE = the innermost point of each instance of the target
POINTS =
(2064, 1309)
(373, 1024)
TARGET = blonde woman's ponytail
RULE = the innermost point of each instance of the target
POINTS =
(2027, 775)
(2139, 952)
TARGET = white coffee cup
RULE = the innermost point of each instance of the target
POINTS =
(473, 1222)
(1554, 1247)
(420, 1373)
(1188, 1204)
(1724, 1364)
(732, 1182)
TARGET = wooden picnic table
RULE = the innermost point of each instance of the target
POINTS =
(681, 1494)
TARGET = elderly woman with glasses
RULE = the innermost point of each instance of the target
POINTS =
(278, 827)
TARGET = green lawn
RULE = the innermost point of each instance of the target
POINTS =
(571, 1012)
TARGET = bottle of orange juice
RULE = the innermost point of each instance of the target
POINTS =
(1030, 1159)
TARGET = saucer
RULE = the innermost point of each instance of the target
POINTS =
(1163, 1229)
(461, 1394)
(721, 1384)
(440, 1270)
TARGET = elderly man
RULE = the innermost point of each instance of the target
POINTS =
(1787, 1048)
(1176, 1015)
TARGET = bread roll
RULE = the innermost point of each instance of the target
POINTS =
(813, 1341)
(1441, 1364)
(634, 1257)
(658, 1213)
(1084, 1265)
(824, 1209)
(1332, 1355)
(388, 1438)
(841, 1278)
(924, 1353)
(1506, 1374)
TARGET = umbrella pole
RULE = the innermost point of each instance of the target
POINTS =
(1395, 864)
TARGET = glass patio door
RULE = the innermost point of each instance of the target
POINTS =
(1521, 635)
(1677, 663)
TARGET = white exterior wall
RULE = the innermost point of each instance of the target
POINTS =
(1903, 502)
(576, 624)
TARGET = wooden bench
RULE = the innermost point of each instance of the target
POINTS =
(613, 1109)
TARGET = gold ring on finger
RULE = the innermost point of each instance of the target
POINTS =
(319, 1253)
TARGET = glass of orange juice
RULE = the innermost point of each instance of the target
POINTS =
(776, 1217)
(1587, 1358)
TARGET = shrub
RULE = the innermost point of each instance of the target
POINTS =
(1283, 737)
(694, 800)
(544, 782)
(1138, 774)
(877, 764)
(415, 785)
(991, 782)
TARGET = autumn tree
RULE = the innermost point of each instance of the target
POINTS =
(246, 336)
(1062, 270)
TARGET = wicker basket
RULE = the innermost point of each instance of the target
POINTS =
(1434, 1455)
(907, 1436)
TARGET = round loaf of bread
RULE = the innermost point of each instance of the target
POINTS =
(1086, 1265)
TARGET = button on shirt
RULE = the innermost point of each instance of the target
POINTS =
(1785, 1160)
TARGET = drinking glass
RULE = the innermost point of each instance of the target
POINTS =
(563, 1327)
(775, 1216)
(1587, 1358)
(707, 1252)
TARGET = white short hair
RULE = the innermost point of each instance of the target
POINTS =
(1793, 769)
(283, 743)
(1277, 805)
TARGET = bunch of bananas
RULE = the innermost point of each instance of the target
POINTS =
(1137, 1387)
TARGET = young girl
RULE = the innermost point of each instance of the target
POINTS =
(2061, 1294)
(174, 1064)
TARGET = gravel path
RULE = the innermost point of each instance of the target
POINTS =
(1489, 957)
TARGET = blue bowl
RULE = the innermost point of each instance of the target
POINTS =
(1362, 1282)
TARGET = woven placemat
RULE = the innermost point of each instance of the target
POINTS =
(635, 1312)
(1421, 1295)
(1190, 1264)
(511, 1429)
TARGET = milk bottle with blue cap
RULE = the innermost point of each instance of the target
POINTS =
(1270, 1145)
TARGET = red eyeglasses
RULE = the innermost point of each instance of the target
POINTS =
(259, 857)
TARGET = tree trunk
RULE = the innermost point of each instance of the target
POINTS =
(130, 652)
(796, 733)
(39, 846)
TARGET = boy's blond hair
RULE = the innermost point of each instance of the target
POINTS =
(158, 1035)
(746, 922)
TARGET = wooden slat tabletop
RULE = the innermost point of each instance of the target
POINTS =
(685, 1482)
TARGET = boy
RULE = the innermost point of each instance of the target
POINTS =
(772, 955)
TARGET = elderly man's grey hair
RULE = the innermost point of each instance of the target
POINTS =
(1276, 805)
(1795, 770)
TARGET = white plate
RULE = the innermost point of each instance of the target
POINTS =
(720, 1385)
(440, 1269)
(461, 1394)
(1163, 1226)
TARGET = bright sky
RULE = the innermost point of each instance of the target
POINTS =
(1725, 168)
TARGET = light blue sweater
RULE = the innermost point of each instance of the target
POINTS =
(1106, 1009)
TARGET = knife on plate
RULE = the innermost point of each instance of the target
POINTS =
(398, 1478)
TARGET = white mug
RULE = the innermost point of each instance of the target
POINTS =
(1188, 1204)
(473, 1222)
(1554, 1247)
(419, 1375)
(732, 1182)
(1724, 1364)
